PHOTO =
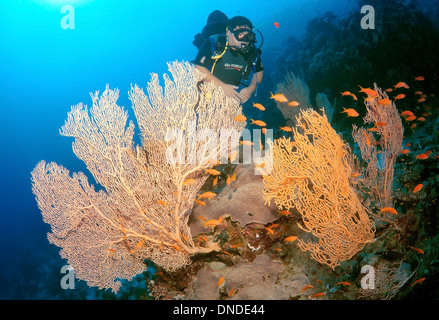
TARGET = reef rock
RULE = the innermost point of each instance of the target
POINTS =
(241, 200)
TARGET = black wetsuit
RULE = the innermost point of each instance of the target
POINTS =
(231, 66)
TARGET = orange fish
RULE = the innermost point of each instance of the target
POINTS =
(285, 212)
(200, 202)
(411, 118)
(380, 124)
(318, 295)
(418, 187)
(418, 93)
(232, 292)
(246, 143)
(139, 244)
(163, 203)
(279, 97)
(417, 250)
(276, 24)
(207, 195)
(354, 97)
(286, 129)
(269, 230)
(293, 104)
(389, 210)
(417, 281)
(351, 112)
(421, 99)
(228, 180)
(346, 93)
(215, 181)
(263, 130)
(212, 172)
(188, 182)
(343, 283)
(405, 151)
(290, 239)
(258, 123)
(369, 92)
(213, 222)
(419, 78)
(389, 90)
(259, 106)
(422, 156)
(240, 118)
(407, 113)
(355, 175)
(399, 96)
(234, 177)
(384, 101)
(220, 281)
(401, 85)
(307, 287)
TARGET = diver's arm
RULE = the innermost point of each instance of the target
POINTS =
(229, 90)
(246, 93)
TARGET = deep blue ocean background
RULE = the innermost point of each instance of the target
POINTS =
(45, 69)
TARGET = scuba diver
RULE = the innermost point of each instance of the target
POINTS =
(227, 58)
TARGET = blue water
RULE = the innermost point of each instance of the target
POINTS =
(45, 69)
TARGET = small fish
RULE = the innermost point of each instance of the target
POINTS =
(207, 195)
(220, 281)
(111, 250)
(246, 143)
(276, 24)
(228, 180)
(344, 283)
(212, 172)
(286, 129)
(380, 124)
(188, 182)
(389, 90)
(417, 250)
(354, 97)
(259, 106)
(215, 181)
(290, 239)
(269, 230)
(418, 187)
(367, 139)
(279, 97)
(293, 104)
(369, 92)
(346, 93)
(140, 244)
(404, 151)
(411, 118)
(200, 202)
(263, 130)
(407, 113)
(421, 100)
(373, 129)
(240, 118)
(213, 222)
(418, 281)
(258, 123)
(233, 177)
(384, 101)
(355, 175)
(232, 292)
(419, 78)
(401, 85)
(350, 112)
(163, 203)
(422, 156)
(318, 295)
(389, 210)
(399, 96)
(285, 212)
(419, 93)
(307, 287)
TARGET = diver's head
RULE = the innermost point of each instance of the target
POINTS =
(240, 34)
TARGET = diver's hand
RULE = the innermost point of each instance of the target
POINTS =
(230, 91)
(245, 94)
